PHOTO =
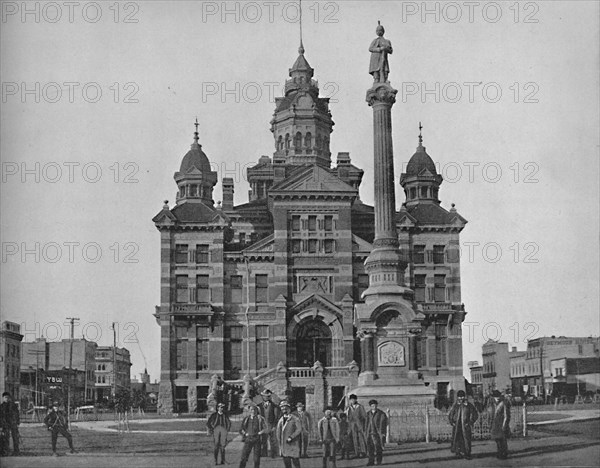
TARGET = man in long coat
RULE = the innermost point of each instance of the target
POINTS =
(289, 430)
(57, 423)
(380, 48)
(306, 421)
(218, 426)
(271, 412)
(357, 418)
(329, 436)
(376, 430)
(500, 424)
(462, 416)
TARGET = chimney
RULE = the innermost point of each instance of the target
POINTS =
(227, 194)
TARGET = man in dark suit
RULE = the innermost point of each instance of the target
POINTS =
(218, 426)
(57, 424)
(271, 412)
(252, 431)
(9, 424)
(375, 430)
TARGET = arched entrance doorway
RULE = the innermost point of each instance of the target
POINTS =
(313, 343)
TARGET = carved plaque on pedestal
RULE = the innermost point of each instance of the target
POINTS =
(391, 353)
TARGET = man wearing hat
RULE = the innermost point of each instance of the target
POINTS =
(9, 424)
(306, 422)
(289, 430)
(218, 426)
(357, 417)
(462, 416)
(499, 424)
(57, 423)
(271, 412)
(329, 436)
(253, 428)
(376, 430)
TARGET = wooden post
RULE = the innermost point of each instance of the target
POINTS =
(524, 420)
(427, 425)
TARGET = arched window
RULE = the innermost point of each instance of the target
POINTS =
(280, 143)
(318, 141)
(287, 141)
(313, 343)
(298, 141)
(413, 193)
(423, 192)
(308, 140)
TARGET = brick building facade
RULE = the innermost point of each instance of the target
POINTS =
(265, 294)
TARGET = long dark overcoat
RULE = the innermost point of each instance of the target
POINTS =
(462, 416)
(500, 421)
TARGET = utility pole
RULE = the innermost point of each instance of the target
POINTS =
(247, 312)
(69, 381)
(114, 359)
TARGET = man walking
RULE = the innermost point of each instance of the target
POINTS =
(376, 430)
(357, 417)
(306, 422)
(499, 425)
(253, 428)
(329, 436)
(218, 426)
(9, 424)
(57, 424)
(462, 416)
(271, 412)
(289, 430)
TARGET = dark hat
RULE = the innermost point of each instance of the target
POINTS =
(460, 393)
(373, 402)
(267, 392)
(342, 415)
(299, 404)
(6, 394)
(496, 393)
(353, 396)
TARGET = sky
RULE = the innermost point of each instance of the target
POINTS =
(98, 105)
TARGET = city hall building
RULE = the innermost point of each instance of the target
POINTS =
(278, 293)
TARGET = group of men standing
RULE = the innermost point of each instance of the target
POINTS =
(462, 417)
(272, 429)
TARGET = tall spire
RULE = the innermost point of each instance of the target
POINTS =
(196, 133)
(420, 135)
(301, 48)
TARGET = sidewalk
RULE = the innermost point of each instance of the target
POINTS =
(536, 450)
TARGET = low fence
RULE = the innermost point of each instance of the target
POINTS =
(424, 423)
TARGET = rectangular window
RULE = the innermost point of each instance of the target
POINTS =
(295, 223)
(420, 288)
(262, 347)
(313, 245)
(421, 352)
(181, 253)
(329, 245)
(419, 254)
(181, 354)
(202, 349)
(182, 288)
(202, 289)
(236, 289)
(233, 351)
(362, 285)
(296, 246)
(441, 338)
(438, 254)
(580, 349)
(202, 253)
(440, 288)
(312, 223)
(329, 223)
(262, 288)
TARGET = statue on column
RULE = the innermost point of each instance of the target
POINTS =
(380, 48)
